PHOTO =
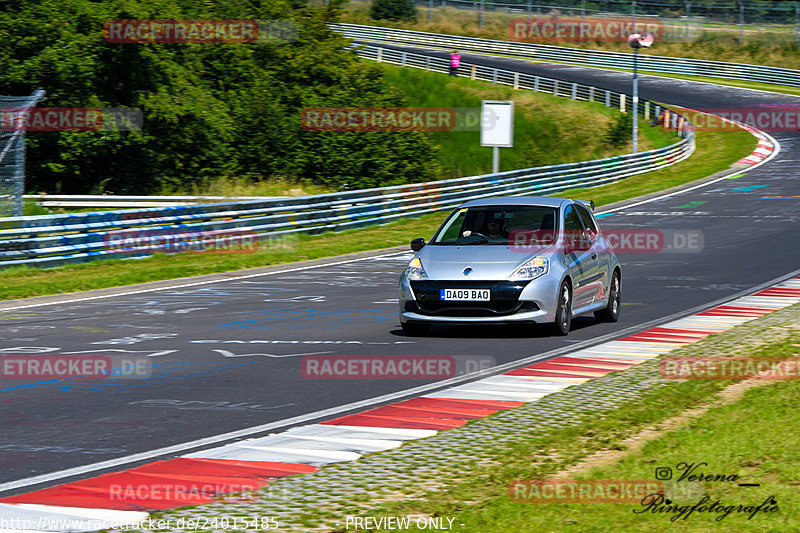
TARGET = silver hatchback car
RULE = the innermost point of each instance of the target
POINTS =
(512, 260)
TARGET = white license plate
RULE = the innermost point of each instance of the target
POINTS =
(465, 295)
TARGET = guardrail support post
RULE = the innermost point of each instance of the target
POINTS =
(574, 95)
(797, 23)
(516, 80)
(427, 62)
(430, 10)
(380, 55)
(647, 110)
(403, 57)
(530, 11)
(472, 74)
(591, 93)
(622, 103)
(494, 76)
(536, 84)
(480, 16)
(555, 87)
(608, 98)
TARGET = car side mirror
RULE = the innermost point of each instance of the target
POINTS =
(417, 244)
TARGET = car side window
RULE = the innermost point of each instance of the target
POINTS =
(586, 217)
(453, 229)
(572, 222)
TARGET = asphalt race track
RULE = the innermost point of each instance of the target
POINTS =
(226, 356)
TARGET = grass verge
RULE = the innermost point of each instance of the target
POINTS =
(751, 438)
(548, 130)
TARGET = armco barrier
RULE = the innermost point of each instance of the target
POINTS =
(577, 56)
(50, 240)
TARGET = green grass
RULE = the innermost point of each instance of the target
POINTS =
(548, 130)
(751, 438)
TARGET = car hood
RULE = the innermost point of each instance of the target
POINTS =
(488, 262)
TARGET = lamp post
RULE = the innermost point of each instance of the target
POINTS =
(637, 41)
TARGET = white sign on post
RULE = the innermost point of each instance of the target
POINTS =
(497, 127)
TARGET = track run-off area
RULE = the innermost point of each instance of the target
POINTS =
(223, 356)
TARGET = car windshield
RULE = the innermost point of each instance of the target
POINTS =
(494, 225)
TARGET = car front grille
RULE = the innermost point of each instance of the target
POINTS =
(504, 299)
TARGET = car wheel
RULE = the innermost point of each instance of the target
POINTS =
(563, 311)
(611, 312)
(415, 329)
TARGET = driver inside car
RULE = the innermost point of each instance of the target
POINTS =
(493, 232)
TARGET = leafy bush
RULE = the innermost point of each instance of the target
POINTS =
(393, 10)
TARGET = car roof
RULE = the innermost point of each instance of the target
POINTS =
(516, 200)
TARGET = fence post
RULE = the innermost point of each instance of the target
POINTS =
(430, 10)
(591, 93)
(530, 11)
(403, 59)
(494, 76)
(380, 54)
(608, 98)
(574, 91)
(646, 110)
(688, 16)
(472, 73)
(516, 80)
(480, 16)
(741, 21)
(797, 24)
(555, 87)
(536, 84)
(622, 103)
(427, 62)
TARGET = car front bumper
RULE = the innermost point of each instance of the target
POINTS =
(511, 302)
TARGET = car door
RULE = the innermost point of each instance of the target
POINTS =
(597, 270)
(578, 255)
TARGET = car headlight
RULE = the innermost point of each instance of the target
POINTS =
(532, 269)
(415, 270)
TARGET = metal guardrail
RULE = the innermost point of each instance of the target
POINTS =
(91, 201)
(577, 56)
(50, 240)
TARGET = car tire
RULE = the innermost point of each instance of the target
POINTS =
(563, 321)
(415, 329)
(612, 310)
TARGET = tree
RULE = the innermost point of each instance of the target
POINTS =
(393, 10)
